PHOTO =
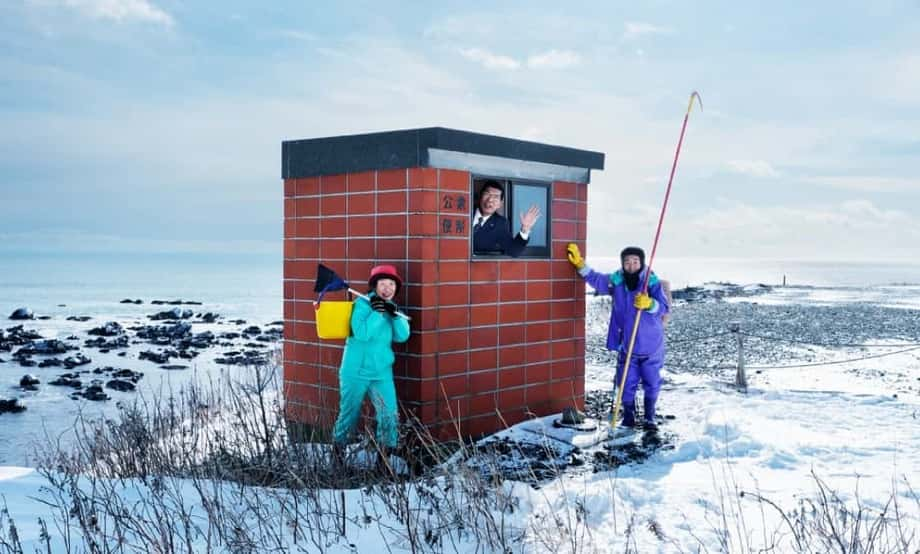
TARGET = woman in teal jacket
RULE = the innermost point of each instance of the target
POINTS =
(367, 365)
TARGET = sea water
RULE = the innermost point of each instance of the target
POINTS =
(246, 287)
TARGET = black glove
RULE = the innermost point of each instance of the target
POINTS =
(378, 304)
(390, 307)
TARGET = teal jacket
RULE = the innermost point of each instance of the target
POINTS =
(369, 351)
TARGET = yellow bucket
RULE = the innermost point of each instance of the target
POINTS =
(333, 319)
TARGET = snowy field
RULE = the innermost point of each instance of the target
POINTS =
(831, 412)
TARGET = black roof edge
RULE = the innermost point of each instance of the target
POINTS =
(409, 148)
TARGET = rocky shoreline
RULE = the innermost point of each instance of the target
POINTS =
(700, 340)
(172, 337)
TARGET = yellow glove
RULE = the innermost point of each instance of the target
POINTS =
(574, 255)
(643, 301)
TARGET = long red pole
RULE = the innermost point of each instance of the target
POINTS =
(615, 414)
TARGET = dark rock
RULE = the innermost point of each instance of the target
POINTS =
(129, 301)
(43, 317)
(177, 302)
(200, 340)
(29, 382)
(209, 317)
(122, 354)
(25, 362)
(67, 380)
(11, 406)
(230, 336)
(238, 321)
(690, 294)
(173, 314)
(51, 362)
(118, 342)
(22, 313)
(158, 357)
(110, 329)
(44, 347)
(133, 376)
(95, 393)
(173, 367)
(177, 330)
(79, 359)
(18, 336)
(277, 323)
(245, 359)
(119, 385)
(79, 318)
(252, 330)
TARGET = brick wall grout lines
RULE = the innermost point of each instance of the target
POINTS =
(437, 303)
(485, 331)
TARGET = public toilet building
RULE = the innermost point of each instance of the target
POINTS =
(495, 339)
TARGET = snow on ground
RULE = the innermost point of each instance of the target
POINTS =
(768, 441)
(854, 426)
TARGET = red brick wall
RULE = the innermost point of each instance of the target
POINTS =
(493, 342)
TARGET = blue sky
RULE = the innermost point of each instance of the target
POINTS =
(155, 125)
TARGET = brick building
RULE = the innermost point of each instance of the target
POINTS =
(494, 339)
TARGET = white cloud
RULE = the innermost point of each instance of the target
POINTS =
(867, 183)
(634, 30)
(489, 60)
(729, 227)
(554, 59)
(755, 168)
(846, 229)
(114, 10)
(551, 59)
(79, 241)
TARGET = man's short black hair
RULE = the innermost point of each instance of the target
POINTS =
(491, 184)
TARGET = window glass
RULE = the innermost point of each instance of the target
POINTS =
(525, 196)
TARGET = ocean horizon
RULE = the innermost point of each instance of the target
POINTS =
(258, 277)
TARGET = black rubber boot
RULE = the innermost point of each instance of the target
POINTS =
(629, 415)
(648, 405)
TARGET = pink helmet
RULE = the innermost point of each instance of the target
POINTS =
(384, 272)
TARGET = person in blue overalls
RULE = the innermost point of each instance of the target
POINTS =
(625, 286)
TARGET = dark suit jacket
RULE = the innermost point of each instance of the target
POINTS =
(495, 237)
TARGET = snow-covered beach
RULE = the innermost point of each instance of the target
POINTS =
(832, 409)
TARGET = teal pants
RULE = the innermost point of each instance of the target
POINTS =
(352, 390)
